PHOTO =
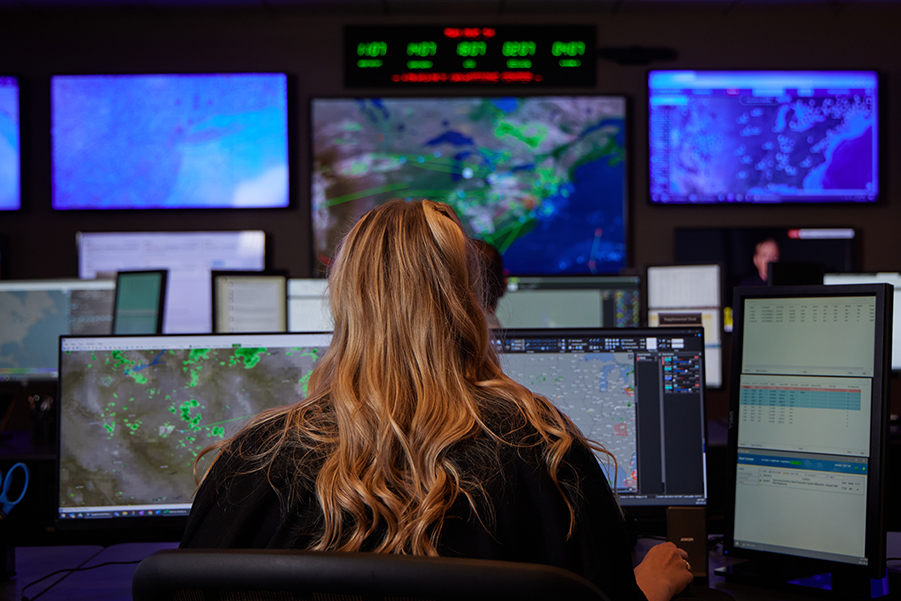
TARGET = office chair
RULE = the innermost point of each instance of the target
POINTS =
(289, 575)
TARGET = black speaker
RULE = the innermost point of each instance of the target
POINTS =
(687, 528)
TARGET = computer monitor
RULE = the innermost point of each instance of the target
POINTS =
(140, 302)
(35, 313)
(571, 302)
(689, 295)
(169, 141)
(135, 411)
(308, 305)
(245, 301)
(188, 256)
(808, 428)
(10, 146)
(878, 278)
(763, 137)
(639, 392)
(541, 178)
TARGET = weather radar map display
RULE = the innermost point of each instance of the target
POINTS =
(541, 178)
(136, 411)
(763, 136)
(169, 141)
(10, 155)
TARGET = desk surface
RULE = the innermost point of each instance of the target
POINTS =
(113, 582)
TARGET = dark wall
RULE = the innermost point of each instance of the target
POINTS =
(40, 243)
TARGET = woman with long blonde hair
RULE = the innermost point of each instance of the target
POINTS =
(413, 440)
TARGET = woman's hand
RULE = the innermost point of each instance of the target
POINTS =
(664, 572)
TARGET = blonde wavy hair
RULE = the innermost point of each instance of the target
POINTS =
(410, 374)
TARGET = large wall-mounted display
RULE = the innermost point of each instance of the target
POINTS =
(542, 178)
(169, 141)
(763, 136)
(10, 154)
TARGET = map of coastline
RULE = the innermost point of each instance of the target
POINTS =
(766, 147)
(541, 178)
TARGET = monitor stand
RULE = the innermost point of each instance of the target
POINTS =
(804, 580)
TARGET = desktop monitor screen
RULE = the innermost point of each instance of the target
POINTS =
(877, 278)
(188, 256)
(308, 306)
(35, 313)
(689, 295)
(571, 302)
(140, 302)
(10, 153)
(135, 411)
(541, 178)
(763, 136)
(638, 392)
(169, 141)
(808, 426)
(250, 302)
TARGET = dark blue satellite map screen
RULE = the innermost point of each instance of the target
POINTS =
(10, 156)
(763, 136)
(169, 141)
(541, 178)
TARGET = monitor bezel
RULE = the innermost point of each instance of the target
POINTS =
(128, 529)
(290, 148)
(161, 300)
(875, 541)
(880, 131)
(647, 511)
(319, 267)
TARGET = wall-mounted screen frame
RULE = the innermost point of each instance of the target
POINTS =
(10, 145)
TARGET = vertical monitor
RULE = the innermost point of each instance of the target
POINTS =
(541, 178)
(638, 392)
(763, 137)
(878, 278)
(689, 295)
(189, 258)
(250, 302)
(35, 313)
(571, 302)
(10, 145)
(308, 305)
(140, 302)
(135, 411)
(808, 425)
(169, 141)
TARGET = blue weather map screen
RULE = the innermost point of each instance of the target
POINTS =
(170, 141)
(540, 178)
(763, 136)
(10, 156)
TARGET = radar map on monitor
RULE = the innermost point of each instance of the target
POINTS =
(763, 136)
(137, 410)
(540, 178)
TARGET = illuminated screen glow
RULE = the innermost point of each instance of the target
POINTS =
(10, 155)
(169, 141)
(763, 136)
(540, 178)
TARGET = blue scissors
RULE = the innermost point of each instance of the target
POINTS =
(6, 504)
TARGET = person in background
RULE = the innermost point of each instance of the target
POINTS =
(765, 252)
(494, 281)
(412, 439)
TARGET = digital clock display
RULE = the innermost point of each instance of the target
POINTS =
(404, 56)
